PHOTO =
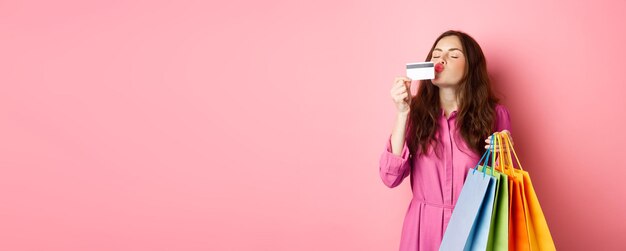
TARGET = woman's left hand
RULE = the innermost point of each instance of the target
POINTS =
(488, 141)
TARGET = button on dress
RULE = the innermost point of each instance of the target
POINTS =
(437, 181)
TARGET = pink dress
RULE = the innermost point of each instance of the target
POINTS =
(437, 182)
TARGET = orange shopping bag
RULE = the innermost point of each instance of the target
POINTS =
(528, 228)
(518, 232)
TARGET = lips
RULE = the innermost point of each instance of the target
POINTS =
(438, 68)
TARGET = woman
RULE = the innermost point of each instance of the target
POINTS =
(438, 136)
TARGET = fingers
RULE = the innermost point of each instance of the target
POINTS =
(489, 139)
(401, 89)
(496, 148)
(399, 93)
(401, 97)
(404, 81)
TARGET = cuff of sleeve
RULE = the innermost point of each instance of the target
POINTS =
(392, 163)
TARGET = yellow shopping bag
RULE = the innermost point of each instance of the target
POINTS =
(528, 228)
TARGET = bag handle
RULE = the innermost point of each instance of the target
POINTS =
(501, 154)
(505, 149)
(509, 145)
(495, 142)
(487, 154)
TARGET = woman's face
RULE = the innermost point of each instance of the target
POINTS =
(449, 52)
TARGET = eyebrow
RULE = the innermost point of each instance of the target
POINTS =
(451, 49)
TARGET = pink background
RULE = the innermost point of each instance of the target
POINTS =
(257, 125)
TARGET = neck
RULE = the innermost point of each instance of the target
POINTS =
(447, 99)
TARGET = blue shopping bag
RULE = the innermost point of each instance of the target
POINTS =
(468, 228)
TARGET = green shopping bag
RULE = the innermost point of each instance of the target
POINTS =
(499, 229)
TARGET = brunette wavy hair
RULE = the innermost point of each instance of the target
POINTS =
(476, 101)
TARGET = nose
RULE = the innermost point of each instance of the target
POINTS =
(440, 60)
(443, 58)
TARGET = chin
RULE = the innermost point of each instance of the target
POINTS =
(440, 83)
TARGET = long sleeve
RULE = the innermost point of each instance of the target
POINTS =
(394, 168)
(503, 120)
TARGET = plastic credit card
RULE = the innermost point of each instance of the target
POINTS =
(420, 70)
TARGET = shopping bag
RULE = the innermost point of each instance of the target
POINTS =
(530, 228)
(479, 236)
(499, 225)
(518, 230)
(499, 228)
(466, 228)
(498, 233)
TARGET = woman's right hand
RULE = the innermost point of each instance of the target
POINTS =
(401, 94)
